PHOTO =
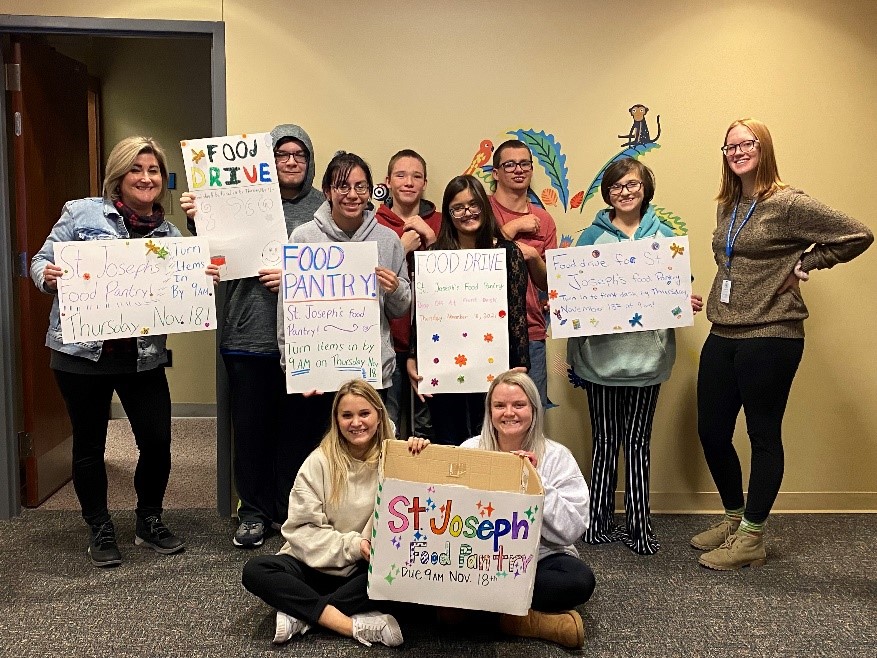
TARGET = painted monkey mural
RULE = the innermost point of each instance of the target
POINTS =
(548, 154)
(639, 131)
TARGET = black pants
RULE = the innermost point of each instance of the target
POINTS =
(291, 586)
(456, 416)
(562, 583)
(755, 374)
(147, 401)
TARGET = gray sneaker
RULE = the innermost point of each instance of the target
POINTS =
(249, 534)
(287, 626)
(370, 627)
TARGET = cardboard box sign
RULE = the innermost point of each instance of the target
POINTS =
(456, 527)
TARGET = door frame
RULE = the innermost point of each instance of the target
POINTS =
(10, 393)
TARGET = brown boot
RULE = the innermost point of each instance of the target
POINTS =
(565, 628)
(740, 550)
(716, 535)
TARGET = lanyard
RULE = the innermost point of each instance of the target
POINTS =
(731, 241)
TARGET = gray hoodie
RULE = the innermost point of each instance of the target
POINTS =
(391, 255)
(251, 309)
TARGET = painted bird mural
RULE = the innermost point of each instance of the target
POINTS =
(481, 157)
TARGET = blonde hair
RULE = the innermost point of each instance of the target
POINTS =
(535, 440)
(121, 159)
(335, 446)
(767, 175)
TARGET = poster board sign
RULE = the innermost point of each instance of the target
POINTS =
(331, 315)
(636, 285)
(237, 195)
(456, 527)
(462, 319)
(137, 287)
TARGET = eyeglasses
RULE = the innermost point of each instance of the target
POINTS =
(630, 186)
(361, 188)
(458, 212)
(510, 165)
(282, 157)
(743, 147)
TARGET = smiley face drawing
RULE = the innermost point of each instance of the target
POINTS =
(271, 253)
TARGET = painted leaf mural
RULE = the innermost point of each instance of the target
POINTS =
(485, 175)
(634, 152)
(548, 154)
(673, 221)
(549, 196)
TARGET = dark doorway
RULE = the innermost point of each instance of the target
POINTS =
(34, 436)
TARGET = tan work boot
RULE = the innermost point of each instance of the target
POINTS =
(565, 628)
(740, 550)
(711, 539)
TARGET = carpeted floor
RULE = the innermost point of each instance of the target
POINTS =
(817, 596)
(193, 472)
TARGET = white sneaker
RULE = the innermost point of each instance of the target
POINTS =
(287, 626)
(371, 627)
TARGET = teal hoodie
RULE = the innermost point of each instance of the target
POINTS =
(638, 358)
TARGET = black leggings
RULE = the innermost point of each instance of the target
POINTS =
(291, 586)
(562, 583)
(147, 401)
(755, 374)
(456, 416)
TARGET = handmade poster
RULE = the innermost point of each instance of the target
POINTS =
(331, 315)
(127, 288)
(238, 199)
(621, 287)
(456, 527)
(462, 323)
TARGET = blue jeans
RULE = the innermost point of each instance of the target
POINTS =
(538, 371)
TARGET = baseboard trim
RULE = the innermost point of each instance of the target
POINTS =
(811, 502)
(178, 410)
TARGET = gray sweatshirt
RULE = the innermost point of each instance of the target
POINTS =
(391, 255)
(250, 308)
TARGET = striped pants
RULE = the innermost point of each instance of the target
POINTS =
(621, 414)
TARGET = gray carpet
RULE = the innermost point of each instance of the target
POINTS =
(193, 474)
(817, 596)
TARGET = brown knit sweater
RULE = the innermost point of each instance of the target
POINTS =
(781, 229)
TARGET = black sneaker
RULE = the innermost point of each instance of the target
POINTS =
(249, 534)
(152, 533)
(103, 551)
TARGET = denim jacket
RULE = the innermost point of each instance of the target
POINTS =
(93, 219)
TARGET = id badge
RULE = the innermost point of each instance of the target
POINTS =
(725, 297)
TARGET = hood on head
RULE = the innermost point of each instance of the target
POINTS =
(292, 131)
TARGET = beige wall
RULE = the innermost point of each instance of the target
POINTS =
(440, 77)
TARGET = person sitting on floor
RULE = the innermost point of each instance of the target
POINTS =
(513, 422)
(320, 575)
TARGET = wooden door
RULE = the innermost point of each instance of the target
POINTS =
(53, 154)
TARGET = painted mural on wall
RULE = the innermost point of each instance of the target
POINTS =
(548, 153)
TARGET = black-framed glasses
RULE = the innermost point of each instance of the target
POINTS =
(361, 188)
(510, 165)
(458, 212)
(630, 186)
(746, 146)
(282, 157)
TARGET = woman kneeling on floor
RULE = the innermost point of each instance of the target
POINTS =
(513, 422)
(319, 577)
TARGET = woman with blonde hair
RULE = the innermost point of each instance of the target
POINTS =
(769, 237)
(513, 422)
(320, 575)
(88, 373)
